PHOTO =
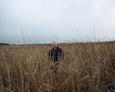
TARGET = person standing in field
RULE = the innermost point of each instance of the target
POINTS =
(56, 53)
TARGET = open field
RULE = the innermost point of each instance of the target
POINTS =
(85, 68)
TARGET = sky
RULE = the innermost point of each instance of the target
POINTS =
(44, 21)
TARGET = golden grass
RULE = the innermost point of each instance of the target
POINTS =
(86, 68)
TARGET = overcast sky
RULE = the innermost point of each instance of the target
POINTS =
(41, 21)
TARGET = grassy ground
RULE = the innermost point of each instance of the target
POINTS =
(85, 68)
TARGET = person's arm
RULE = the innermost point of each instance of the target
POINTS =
(61, 54)
(49, 55)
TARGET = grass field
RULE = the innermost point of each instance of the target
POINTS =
(86, 68)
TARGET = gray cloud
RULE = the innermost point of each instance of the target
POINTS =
(56, 20)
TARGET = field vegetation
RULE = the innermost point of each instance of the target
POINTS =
(86, 67)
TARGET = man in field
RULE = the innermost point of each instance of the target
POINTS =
(56, 53)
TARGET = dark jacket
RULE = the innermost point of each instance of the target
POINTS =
(56, 54)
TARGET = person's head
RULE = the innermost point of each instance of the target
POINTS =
(55, 45)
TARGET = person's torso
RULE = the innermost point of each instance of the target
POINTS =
(56, 52)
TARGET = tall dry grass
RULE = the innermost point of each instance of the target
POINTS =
(85, 68)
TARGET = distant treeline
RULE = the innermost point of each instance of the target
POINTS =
(4, 44)
(68, 43)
